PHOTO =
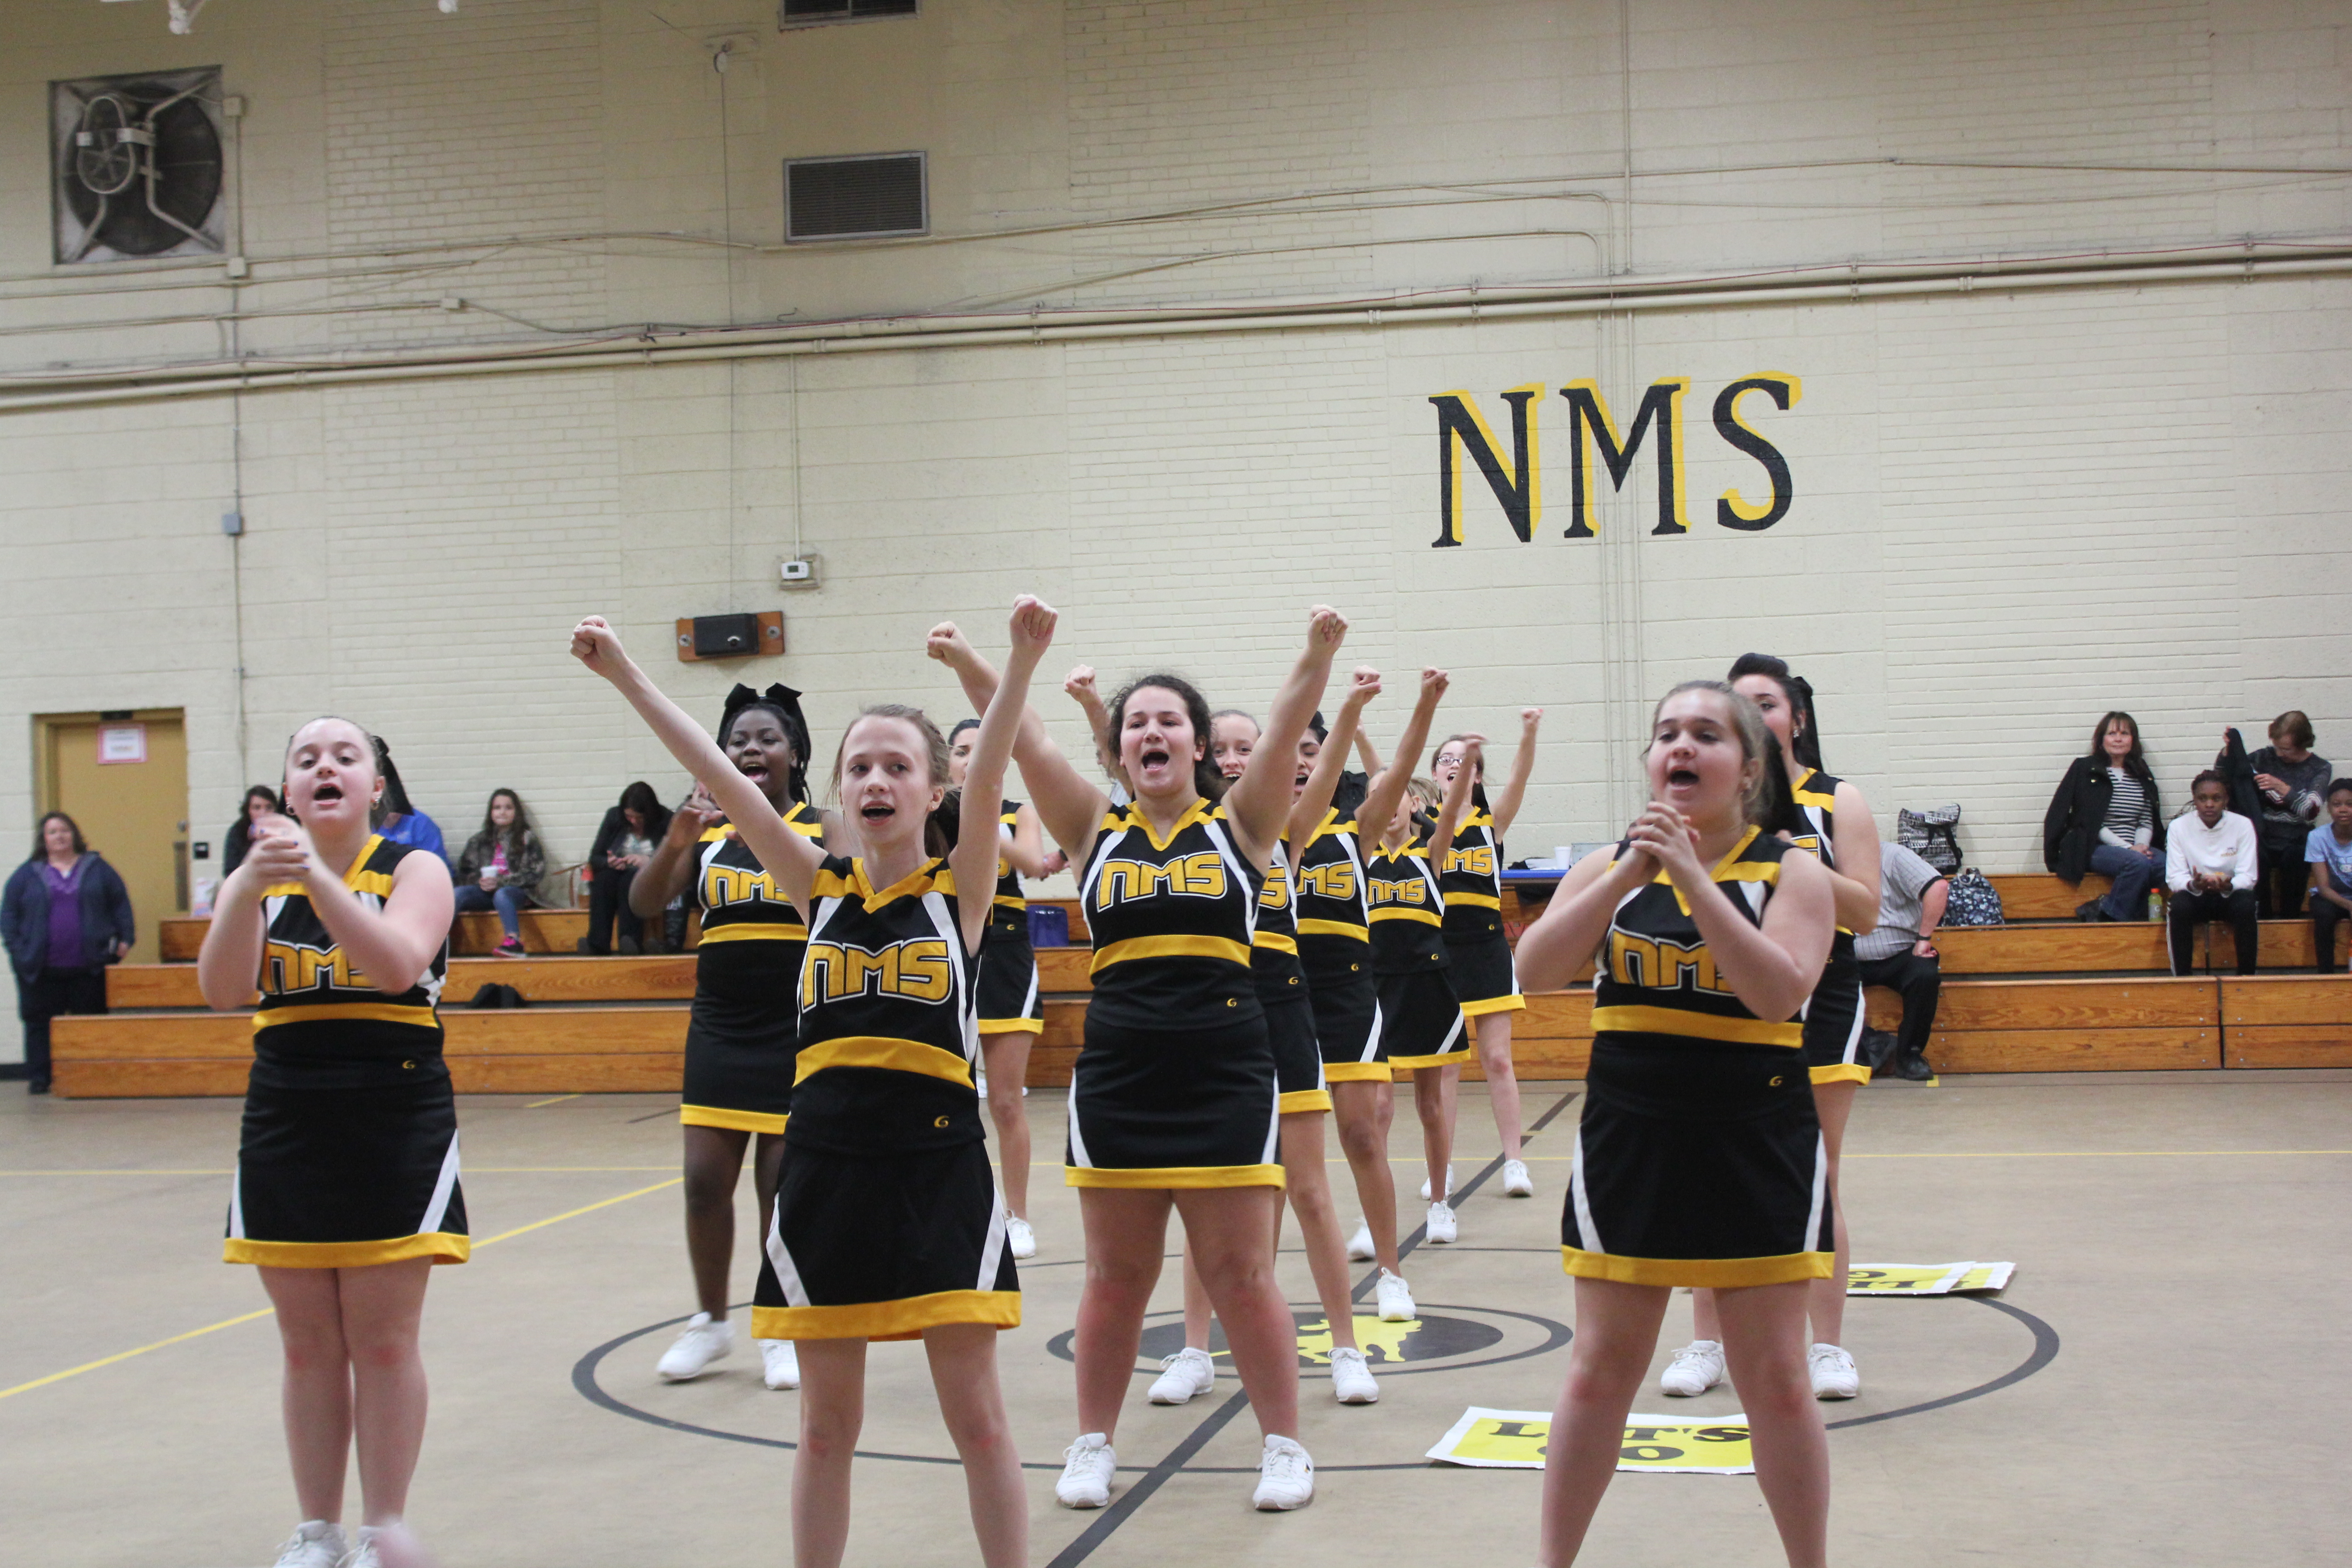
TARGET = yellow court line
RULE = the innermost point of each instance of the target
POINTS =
(559, 1100)
(267, 1311)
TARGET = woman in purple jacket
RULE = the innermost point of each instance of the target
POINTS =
(65, 916)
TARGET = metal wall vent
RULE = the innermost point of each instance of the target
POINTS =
(844, 198)
(798, 11)
(136, 167)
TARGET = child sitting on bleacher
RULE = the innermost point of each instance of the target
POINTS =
(2330, 848)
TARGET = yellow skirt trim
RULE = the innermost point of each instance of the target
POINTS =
(439, 1245)
(1514, 1002)
(1299, 1100)
(739, 1121)
(1169, 1177)
(1420, 1063)
(1012, 1026)
(903, 1320)
(1841, 1072)
(1725, 1273)
(1356, 1072)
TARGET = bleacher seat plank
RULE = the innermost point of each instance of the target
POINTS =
(2052, 950)
(2039, 895)
(666, 978)
(2188, 1003)
(543, 931)
(2076, 1049)
(2302, 1000)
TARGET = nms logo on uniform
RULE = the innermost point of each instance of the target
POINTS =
(1594, 432)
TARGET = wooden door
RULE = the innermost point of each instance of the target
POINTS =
(123, 778)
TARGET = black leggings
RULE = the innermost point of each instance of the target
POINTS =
(2185, 911)
(608, 903)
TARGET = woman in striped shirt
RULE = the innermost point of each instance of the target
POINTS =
(2104, 819)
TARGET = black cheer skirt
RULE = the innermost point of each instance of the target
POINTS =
(343, 1178)
(1174, 1107)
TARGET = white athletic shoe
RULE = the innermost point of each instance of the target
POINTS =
(1359, 1245)
(1834, 1373)
(1517, 1183)
(315, 1544)
(1086, 1469)
(1449, 1183)
(1351, 1379)
(780, 1364)
(1696, 1367)
(1285, 1477)
(1019, 1240)
(1441, 1227)
(363, 1553)
(699, 1343)
(1395, 1298)
(1187, 1372)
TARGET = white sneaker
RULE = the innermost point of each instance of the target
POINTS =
(363, 1553)
(1515, 1181)
(1285, 1477)
(1351, 1379)
(315, 1544)
(699, 1343)
(1019, 1240)
(1187, 1372)
(1394, 1296)
(1449, 1183)
(1086, 1469)
(780, 1364)
(1359, 1245)
(1834, 1373)
(1696, 1367)
(1441, 1227)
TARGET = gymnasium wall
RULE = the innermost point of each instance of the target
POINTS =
(2012, 503)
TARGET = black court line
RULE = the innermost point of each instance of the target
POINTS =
(1124, 1505)
(2045, 1351)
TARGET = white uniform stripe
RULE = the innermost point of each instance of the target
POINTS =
(1821, 1193)
(779, 1258)
(1853, 1036)
(1079, 1155)
(1272, 1153)
(1588, 1235)
(442, 1190)
(1372, 1037)
(1453, 1035)
(237, 1203)
(993, 1251)
(1029, 1001)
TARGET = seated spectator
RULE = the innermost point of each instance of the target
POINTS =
(500, 867)
(2330, 847)
(260, 801)
(64, 917)
(2103, 820)
(2294, 786)
(2208, 867)
(402, 823)
(1901, 952)
(624, 843)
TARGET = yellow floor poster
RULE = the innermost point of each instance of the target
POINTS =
(1926, 1279)
(1514, 1439)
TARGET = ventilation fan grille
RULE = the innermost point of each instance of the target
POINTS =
(842, 198)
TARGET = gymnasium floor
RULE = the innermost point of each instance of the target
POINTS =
(2180, 1242)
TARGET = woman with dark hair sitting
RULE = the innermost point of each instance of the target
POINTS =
(625, 844)
(260, 801)
(66, 916)
(501, 866)
(2103, 818)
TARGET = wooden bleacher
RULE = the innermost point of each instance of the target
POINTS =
(2044, 994)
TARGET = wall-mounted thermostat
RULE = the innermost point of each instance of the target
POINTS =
(800, 572)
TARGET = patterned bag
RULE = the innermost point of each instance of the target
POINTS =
(1972, 901)
(1930, 835)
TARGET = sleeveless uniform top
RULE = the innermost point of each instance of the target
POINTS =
(1816, 798)
(748, 960)
(1174, 920)
(1470, 875)
(887, 1028)
(321, 1025)
(1334, 921)
(1408, 910)
(1274, 948)
(1657, 977)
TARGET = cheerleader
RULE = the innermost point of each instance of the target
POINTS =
(739, 1039)
(1306, 1100)
(346, 1190)
(887, 1225)
(1470, 876)
(1829, 817)
(1698, 1160)
(1335, 946)
(1174, 1100)
(1012, 1010)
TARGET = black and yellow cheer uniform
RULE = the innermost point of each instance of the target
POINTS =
(348, 1155)
(1008, 999)
(1833, 1018)
(888, 1220)
(747, 976)
(1282, 992)
(1470, 875)
(1699, 1160)
(1335, 948)
(1420, 1015)
(1175, 1086)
